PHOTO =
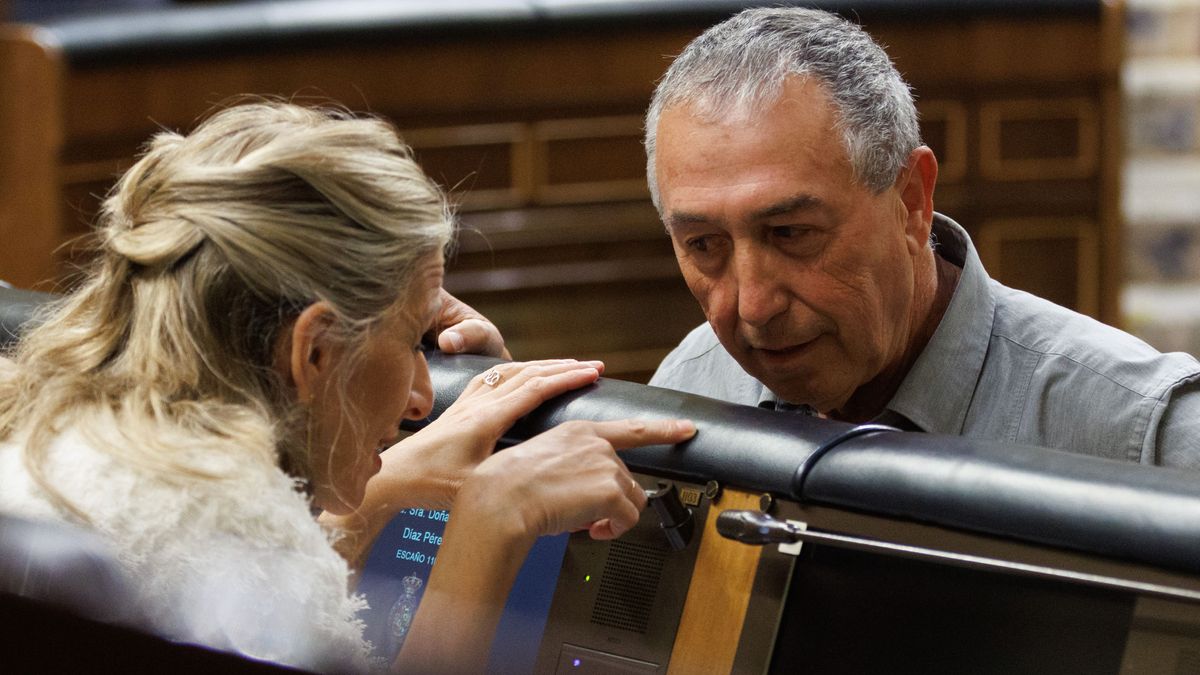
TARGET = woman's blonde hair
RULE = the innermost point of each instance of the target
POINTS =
(209, 245)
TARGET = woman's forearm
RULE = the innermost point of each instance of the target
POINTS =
(467, 590)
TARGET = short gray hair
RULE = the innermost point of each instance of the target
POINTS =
(743, 63)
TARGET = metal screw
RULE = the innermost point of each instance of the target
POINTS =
(712, 490)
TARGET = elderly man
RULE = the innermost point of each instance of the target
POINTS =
(785, 160)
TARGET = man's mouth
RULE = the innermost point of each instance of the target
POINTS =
(782, 351)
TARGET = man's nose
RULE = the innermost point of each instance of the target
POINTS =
(761, 296)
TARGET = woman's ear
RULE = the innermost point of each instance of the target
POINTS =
(312, 352)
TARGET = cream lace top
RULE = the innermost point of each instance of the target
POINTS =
(237, 563)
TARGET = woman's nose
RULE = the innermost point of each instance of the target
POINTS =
(420, 398)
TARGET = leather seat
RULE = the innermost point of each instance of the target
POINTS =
(65, 602)
(17, 307)
(64, 566)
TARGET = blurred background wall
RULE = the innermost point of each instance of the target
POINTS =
(1161, 197)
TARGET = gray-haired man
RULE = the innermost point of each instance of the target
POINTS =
(785, 160)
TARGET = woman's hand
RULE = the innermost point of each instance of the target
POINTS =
(567, 479)
(444, 453)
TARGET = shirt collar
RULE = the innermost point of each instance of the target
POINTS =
(771, 401)
(937, 391)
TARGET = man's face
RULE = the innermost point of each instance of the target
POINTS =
(806, 276)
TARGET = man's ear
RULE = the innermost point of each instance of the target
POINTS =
(313, 353)
(915, 186)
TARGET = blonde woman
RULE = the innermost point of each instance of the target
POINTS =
(246, 343)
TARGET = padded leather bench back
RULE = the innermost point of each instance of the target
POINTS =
(1127, 511)
(1099, 506)
(17, 307)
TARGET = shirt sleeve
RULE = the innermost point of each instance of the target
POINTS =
(1178, 439)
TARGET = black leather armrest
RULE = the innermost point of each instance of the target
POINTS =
(1142, 513)
(17, 307)
(750, 447)
(1101, 506)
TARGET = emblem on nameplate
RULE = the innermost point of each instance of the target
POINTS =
(401, 616)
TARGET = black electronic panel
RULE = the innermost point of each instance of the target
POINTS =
(618, 603)
(853, 612)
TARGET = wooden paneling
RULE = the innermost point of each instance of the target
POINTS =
(991, 51)
(717, 598)
(1057, 259)
(486, 165)
(588, 281)
(1039, 139)
(537, 138)
(586, 160)
(30, 202)
(944, 129)
(1031, 107)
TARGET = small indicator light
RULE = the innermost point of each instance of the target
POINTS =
(575, 663)
(587, 578)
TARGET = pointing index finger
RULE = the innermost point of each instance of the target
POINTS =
(633, 433)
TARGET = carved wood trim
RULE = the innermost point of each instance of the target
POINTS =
(952, 158)
(513, 136)
(547, 133)
(994, 233)
(994, 114)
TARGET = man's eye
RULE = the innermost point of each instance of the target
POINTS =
(699, 244)
(787, 231)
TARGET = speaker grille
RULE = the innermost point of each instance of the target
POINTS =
(628, 586)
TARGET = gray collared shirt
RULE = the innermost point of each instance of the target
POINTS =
(1008, 366)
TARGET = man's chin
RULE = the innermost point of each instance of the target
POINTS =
(788, 390)
(788, 384)
(797, 390)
